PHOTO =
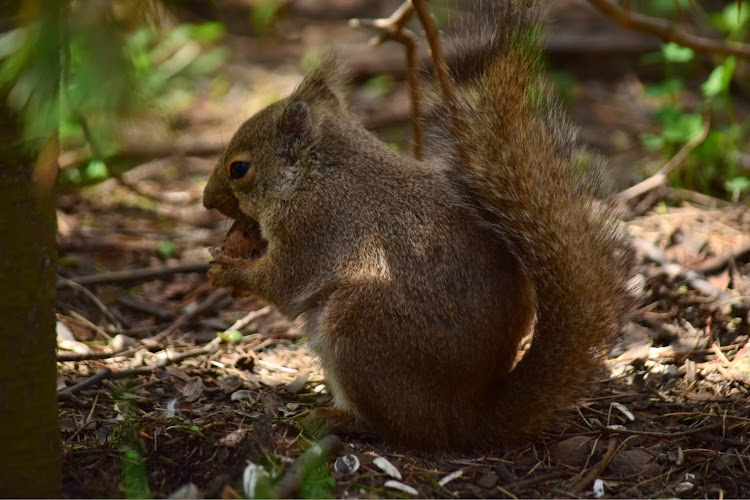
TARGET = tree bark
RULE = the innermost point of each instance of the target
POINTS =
(30, 458)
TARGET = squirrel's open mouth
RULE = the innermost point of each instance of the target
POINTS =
(244, 241)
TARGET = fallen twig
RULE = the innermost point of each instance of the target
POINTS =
(586, 478)
(668, 32)
(139, 274)
(190, 311)
(673, 269)
(660, 178)
(93, 298)
(68, 393)
(719, 263)
(249, 318)
(169, 358)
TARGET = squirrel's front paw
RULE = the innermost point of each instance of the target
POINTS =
(225, 271)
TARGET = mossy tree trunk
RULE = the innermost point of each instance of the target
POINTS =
(30, 459)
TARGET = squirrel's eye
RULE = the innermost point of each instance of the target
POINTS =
(238, 169)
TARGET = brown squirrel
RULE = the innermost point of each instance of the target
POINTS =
(417, 280)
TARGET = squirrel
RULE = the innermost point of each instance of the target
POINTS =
(418, 280)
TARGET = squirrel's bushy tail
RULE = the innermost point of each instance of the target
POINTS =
(520, 167)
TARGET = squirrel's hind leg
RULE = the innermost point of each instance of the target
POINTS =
(334, 421)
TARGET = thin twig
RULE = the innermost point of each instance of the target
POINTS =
(717, 264)
(169, 359)
(97, 355)
(445, 81)
(673, 269)
(67, 394)
(660, 178)
(249, 318)
(595, 471)
(140, 274)
(98, 303)
(394, 28)
(190, 312)
(667, 435)
(668, 32)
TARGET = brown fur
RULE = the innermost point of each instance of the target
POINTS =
(417, 281)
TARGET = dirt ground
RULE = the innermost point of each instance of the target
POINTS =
(166, 407)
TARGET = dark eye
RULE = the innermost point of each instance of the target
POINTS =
(238, 169)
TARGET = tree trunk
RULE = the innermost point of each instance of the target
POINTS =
(30, 459)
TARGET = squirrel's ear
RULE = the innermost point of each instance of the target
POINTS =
(297, 128)
(323, 84)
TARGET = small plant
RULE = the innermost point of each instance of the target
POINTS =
(712, 166)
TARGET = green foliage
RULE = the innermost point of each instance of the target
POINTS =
(166, 249)
(126, 437)
(733, 20)
(264, 14)
(134, 475)
(81, 84)
(711, 166)
(318, 482)
(379, 85)
(230, 336)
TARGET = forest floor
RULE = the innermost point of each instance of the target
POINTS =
(168, 407)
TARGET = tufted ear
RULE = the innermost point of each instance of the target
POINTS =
(297, 129)
(323, 84)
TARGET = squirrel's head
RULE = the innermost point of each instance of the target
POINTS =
(275, 152)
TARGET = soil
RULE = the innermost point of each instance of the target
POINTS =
(168, 407)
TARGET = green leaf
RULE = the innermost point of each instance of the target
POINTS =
(166, 249)
(208, 32)
(231, 336)
(652, 141)
(738, 184)
(683, 129)
(667, 87)
(134, 475)
(96, 170)
(378, 85)
(720, 78)
(735, 15)
(676, 53)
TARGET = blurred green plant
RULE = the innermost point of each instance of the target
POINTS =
(115, 63)
(712, 167)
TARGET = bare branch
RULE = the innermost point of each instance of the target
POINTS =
(669, 32)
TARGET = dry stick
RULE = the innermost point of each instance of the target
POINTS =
(97, 355)
(188, 315)
(169, 359)
(667, 435)
(660, 177)
(139, 274)
(67, 394)
(86, 322)
(249, 318)
(717, 264)
(523, 483)
(673, 269)
(668, 32)
(98, 303)
(394, 28)
(594, 472)
(443, 75)
(290, 483)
